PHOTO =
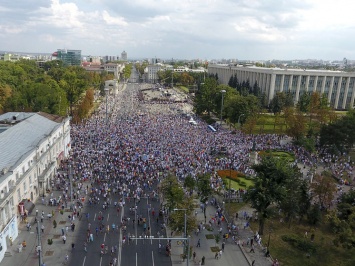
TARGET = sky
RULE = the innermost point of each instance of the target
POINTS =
(182, 29)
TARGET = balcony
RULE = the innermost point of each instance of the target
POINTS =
(46, 172)
(5, 196)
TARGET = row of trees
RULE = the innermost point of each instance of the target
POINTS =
(280, 186)
(183, 78)
(310, 119)
(54, 89)
(174, 197)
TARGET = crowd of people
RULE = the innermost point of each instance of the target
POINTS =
(128, 145)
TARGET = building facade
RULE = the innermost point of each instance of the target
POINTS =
(114, 68)
(31, 148)
(69, 57)
(338, 86)
(124, 56)
(151, 73)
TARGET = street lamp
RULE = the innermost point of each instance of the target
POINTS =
(268, 242)
(223, 92)
(185, 235)
(106, 93)
(239, 120)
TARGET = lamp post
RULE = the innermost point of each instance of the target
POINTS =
(106, 93)
(223, 92)
(268, 242)
(239, 120)
(185, 234)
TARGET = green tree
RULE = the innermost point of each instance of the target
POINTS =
(172, 192)
(304, 102)
(339, 134)
(274, 177)
(189, 183)
(177, 218)
(342, 221)
(74, 84)
(298, 201)
(205, 98)
(323, 189)
(127, 71)
(296, 123)
(204, 186)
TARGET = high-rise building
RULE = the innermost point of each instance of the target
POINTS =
(69, 57)
(124, 56)
(110, 58)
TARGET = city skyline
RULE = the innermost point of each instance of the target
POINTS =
(253, 30)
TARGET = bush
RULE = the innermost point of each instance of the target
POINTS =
(209, 120)
(231, 174)
(314, 215)
(299, 243)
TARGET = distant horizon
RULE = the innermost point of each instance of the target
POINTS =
(169, 58)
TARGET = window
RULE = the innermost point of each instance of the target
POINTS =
(24, 185)
(18, 195)
(30, 179)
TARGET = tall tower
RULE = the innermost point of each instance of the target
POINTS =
(124, 56)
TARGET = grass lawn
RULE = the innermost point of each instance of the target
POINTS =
(325, 252)
(282, 154)
(184, 89)
(236, 185)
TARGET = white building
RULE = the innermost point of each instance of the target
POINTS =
(338, 86)
(31, 147)
(114, 68)
(151, 73)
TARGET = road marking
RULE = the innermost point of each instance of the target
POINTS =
(104, 237)
(136, 259)
(84, 261)
(94, 217)
(120, 241)
(151, 241)
(153, 257)
(100, 260)
(135, 224)
(108, 215)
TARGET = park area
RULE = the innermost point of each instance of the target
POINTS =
(234, 179)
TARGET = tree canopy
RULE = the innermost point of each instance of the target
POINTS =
(277, 184)
(339, 135)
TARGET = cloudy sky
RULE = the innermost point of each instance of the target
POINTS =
(182, 29)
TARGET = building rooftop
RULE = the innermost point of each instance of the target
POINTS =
(22, 133)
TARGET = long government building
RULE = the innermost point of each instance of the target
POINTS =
(338, 86)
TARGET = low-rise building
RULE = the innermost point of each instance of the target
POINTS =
(31, 148)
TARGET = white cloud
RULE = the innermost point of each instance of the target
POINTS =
(119, 21)
(249, 29)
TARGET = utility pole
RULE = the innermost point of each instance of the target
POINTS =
(172, 78)
(39, 247)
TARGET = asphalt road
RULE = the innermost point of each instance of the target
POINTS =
(135, 252)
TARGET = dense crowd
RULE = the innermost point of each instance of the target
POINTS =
(129, 146)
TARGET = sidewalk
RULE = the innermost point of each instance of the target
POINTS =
(52, 254)
(232, 255)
